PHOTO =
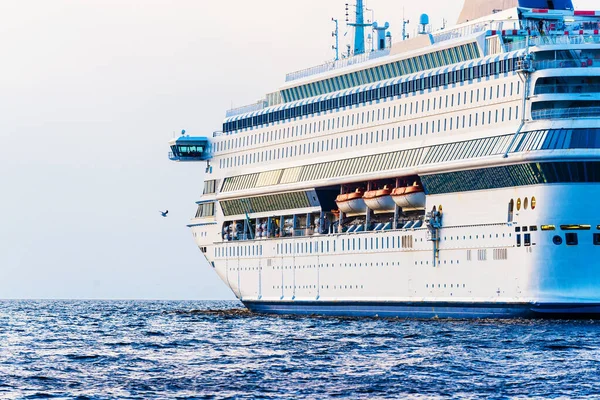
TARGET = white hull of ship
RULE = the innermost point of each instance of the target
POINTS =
(480, 270)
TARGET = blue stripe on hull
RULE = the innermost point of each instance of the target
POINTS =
(426, 310)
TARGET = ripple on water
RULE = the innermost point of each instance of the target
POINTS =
(144, 350)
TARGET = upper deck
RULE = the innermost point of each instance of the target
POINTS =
(502, 32)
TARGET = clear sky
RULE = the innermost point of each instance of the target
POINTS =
(91, 92)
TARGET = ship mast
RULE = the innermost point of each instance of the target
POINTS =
(359, 27)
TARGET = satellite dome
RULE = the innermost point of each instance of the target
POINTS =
(424, 19)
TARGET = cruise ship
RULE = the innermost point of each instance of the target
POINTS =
(451, 174)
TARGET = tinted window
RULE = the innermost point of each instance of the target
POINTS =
(572, 239)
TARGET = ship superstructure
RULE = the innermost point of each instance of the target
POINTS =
(454, 174)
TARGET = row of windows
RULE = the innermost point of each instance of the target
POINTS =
(205, 210)
(379, 162)
(389, 90)
(335, 287)
(439, 286)
(359, 119)
(555, 139)
(373, 137)
(372, 243)
(210, 187)
(412, 65)
(347, 244)
(572, 239)
(239, 251)
(281, 201)
(511, 176)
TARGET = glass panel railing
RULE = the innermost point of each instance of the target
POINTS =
(333, 65)
(541, 41)
(550, 64)
(259, 105)
(567, 89)
(567, 113)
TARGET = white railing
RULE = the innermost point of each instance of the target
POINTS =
(572, 63)
(259, 105)
(551, 40)
(567, 113)
(333, 65)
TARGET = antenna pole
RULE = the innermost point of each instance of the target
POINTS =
(404, 23)
(336, 34)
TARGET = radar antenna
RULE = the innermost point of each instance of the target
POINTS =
(405, 22)
(336, 35)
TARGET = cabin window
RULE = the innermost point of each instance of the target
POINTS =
(596, 239)
(572, 239)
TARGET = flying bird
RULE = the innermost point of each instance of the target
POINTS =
(164, 213)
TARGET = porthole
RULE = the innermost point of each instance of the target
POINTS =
(519, 204)
(533, 203)
(557, 240)
(526, 203)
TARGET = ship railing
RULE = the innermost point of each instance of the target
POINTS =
(516, 45)
(551, 40)
(217, 133)
(333, 65)
(567, 113)
(572, 63)
(259, 105)
(568, 89)
(300, 232)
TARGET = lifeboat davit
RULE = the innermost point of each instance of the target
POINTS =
(352, 203)
(380, 200)
(409, 198)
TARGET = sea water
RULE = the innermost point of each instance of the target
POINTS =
(214, 350)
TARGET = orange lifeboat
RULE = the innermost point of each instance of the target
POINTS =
(380, 200)
(352, 203)
(410, 198)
